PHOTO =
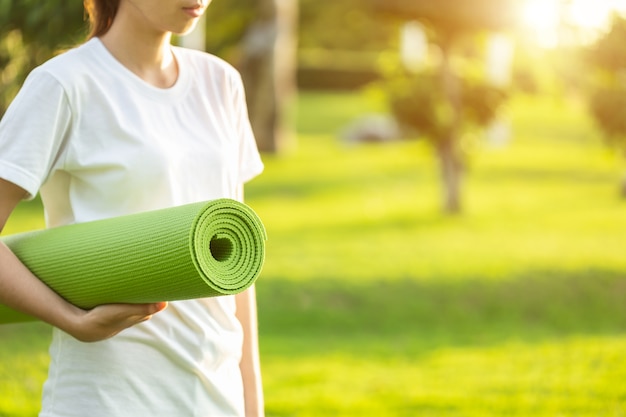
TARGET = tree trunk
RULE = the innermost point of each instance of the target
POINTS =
(448, 144)
(451, 175)
(268, 71)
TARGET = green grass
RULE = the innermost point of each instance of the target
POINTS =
(374, 303)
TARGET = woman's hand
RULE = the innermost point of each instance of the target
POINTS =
(107, 320)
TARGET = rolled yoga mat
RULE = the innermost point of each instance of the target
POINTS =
(192, 251)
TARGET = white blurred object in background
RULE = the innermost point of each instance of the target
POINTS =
(413, 46)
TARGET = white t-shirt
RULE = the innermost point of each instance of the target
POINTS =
(97, 142)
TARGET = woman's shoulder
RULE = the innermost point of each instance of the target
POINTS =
(68, 64)
(207, 62)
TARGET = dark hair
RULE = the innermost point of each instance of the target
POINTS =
(101, 14)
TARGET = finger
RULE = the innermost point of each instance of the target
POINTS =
(160, 306)
(107, 320)
(137, 313)
(136, 310)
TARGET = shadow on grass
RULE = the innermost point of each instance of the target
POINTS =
(411, 317)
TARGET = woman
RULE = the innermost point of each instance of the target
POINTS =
(125, 123)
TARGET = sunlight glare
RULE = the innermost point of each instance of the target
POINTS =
(589, 13)
(541, 14)
(553, 22)
(541, 19)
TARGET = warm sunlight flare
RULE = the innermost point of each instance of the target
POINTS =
(541, 19)
(590, 13)
(553, 22)
(541, 14)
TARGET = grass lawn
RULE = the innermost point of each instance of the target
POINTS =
(374, 303)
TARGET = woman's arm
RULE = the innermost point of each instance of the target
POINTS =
(250, 363)
(23, 291)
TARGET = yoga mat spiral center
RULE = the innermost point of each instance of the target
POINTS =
(221, 248)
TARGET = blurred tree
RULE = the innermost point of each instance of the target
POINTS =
(268, 68)
(32, 31)
(440, 103)
(343, 25)
(227, 23)
(607, 91)
(259, 38)
(339, 44)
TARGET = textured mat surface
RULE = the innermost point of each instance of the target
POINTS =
(192, 251)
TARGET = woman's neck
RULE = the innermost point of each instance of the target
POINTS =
(143, 50)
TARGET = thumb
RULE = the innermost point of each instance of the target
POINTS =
(157, 307)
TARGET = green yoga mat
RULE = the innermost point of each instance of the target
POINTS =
(192, 251)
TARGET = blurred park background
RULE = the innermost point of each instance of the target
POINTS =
(444, 195)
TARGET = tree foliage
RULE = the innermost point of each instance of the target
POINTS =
(452, 18)
(344, 25)
(227, 23)
(608, 107)
(48, 24)
(417, 102)
(607, 98)
(607, 54)
(607, 92)
(31, 32)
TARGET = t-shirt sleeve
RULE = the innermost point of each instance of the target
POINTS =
(250, 162)
(32, 132)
